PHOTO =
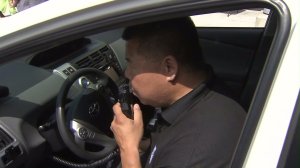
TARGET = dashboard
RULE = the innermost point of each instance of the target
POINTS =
(27, 113)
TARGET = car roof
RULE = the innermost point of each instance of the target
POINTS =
(99, 16)
(44, 12)
(56, 8)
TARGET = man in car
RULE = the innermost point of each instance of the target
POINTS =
(197, 127)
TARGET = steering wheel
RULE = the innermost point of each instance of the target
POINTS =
(83, 122)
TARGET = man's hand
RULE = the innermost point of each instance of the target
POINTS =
(128, 134)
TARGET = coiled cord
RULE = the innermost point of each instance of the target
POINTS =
(87, 165)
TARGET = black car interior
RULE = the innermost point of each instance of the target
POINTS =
(28, 121)
(237, 56)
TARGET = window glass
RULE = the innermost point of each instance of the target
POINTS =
(236, 18)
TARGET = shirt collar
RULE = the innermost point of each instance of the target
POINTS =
(181, 105)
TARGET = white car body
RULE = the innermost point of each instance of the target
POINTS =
(43, 12)
(273, 125)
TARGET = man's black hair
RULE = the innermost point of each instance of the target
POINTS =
(177, 37)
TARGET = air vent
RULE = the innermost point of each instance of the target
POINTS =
(104, 49)
(5, 139)
(85, 62)
(93, 61)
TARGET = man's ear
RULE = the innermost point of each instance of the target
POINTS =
(170, 68)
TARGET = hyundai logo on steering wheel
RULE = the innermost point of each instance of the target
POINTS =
(94, 109)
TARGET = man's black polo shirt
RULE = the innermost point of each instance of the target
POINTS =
(199, 130)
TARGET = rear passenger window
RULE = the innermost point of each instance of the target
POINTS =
(235, 45)
(235, 18)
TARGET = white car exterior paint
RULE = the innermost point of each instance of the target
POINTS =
(45, 12)
(271, 132)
